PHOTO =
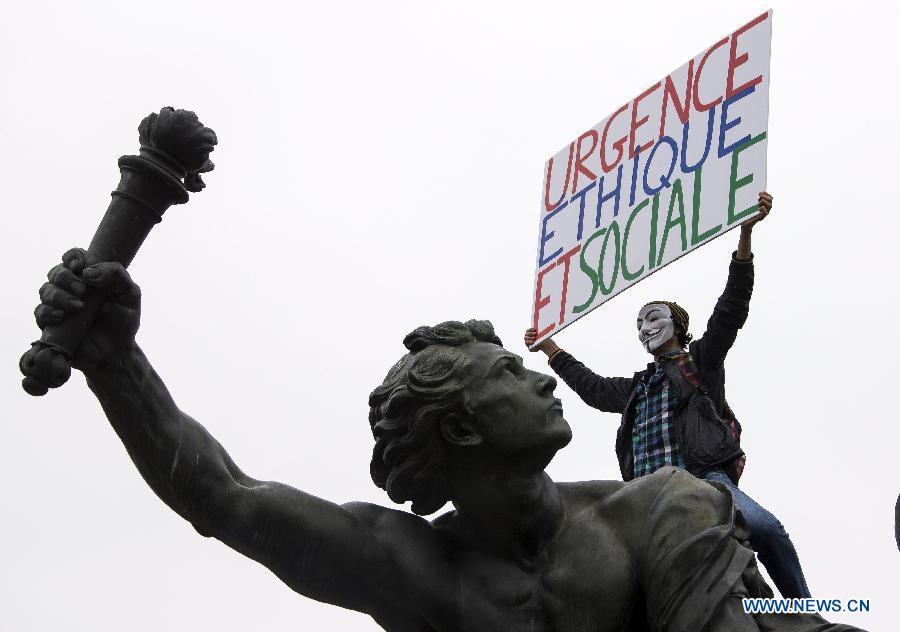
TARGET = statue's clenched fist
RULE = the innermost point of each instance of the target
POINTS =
(69, 285)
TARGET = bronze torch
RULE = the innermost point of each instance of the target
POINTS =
(174, 151)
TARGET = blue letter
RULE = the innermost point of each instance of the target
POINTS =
(663, 180)
(726, 125)
(601, 198)
(581, 195)
(684, 142)
(637, 154)
(545, 236)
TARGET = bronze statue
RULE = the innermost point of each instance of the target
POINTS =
(457, 419)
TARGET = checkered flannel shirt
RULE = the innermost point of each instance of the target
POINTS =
(652, 438)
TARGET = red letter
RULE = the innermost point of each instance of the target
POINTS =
(565, 287)
(635, 124)
(617, 145)
(734, 62)
(547, 204)
(682, 108)
(579, 159)
(703, 107)
(542, 302)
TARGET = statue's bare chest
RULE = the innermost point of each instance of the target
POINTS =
(582, 581)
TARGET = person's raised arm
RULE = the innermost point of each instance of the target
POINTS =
(608, 394)
(733, 306)
(336, 554)
(744, 251)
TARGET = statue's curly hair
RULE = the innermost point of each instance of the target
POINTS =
(409, 457)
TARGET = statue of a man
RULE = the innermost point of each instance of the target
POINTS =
(458, 419)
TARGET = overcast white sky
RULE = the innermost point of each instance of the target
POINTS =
(380, 167)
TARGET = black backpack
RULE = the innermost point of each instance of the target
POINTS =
(714, 440)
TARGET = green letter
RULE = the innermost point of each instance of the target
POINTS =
(670, 224)
(625, 274)
(695, 219)
(654, 218)
(588, 270)
(612, 282)
(735, 183)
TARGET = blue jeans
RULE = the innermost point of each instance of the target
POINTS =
(768, 538)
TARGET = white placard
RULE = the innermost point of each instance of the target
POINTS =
(673, 168)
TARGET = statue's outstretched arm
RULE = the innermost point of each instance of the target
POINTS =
(340, 555)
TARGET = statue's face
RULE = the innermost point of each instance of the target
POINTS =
(514, 407)
(655, 326)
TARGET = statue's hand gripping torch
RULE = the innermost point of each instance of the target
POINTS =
(175, 148)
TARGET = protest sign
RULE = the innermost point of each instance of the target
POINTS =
(673, 168)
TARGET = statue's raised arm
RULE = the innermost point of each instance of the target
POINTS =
(89, 315)
(340, 555)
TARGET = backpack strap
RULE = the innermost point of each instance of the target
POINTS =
(691, 373)
(692, 377)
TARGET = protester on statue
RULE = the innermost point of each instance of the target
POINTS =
(675, 412)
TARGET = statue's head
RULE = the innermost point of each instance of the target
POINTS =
(458, 394)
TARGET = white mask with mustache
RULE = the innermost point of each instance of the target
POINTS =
(655, 326)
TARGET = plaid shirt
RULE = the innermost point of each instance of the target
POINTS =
(652, 437)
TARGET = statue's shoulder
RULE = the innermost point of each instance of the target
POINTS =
(634, 491)
(670, 487)
(669, 479)
(445, 521)
(589, 493)
(617, 501)
(677, 506)
(392, 524)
